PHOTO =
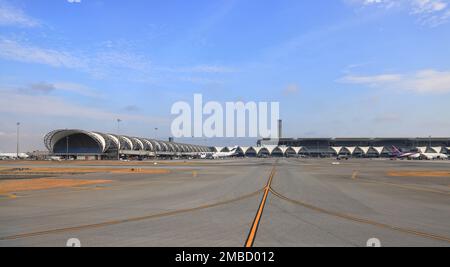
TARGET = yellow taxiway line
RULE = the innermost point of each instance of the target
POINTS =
(362, 220)
(254, 229)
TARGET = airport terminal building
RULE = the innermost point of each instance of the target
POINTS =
(358, 147)
(87, 145)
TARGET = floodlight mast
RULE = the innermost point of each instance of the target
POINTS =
(17, 142)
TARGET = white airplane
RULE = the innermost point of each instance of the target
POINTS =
(415, 156)
(55, 159)
(13, 156)
(433, 156)
(418, 155)
(219, 155)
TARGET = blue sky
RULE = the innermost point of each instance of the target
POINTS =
(338, 68)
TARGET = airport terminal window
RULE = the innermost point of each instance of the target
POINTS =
(78, 144)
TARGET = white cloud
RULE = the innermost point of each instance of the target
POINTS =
(48, 88)
(205, 69)
(76, 88)
(291, 89)
(100, 63)
(200, 80)
(47, 106)
(429, 6)
(209, 69)
(423, 81)
(377, 3)
(429, 12)
(74, 1)
(429, 81)
(372, 80)
(13, 16)
(121, 59)
(12, 50)
(384, 3)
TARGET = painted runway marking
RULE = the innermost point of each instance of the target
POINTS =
(256, 222)
(361, 220)
(9, 196)
(410, 187)
(128, 220)
(425, 174)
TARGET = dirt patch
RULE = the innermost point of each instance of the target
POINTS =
(24, 176)
(82, 170)
(109, 163)
(10, 186)
(419, 174)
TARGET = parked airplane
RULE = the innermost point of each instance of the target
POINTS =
(206, 155)
(432, 156)
(55, 159)
(402, 155)
(219, 155)
(13, 156)
(418, 155)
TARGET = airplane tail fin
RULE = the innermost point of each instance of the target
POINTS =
(396, 150)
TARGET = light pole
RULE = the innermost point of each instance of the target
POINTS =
(156, 149)
(17, 148)
(118, 138)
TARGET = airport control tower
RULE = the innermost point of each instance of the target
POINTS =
(280, 129)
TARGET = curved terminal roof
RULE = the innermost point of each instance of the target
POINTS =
(104, 143)
(109, 142)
